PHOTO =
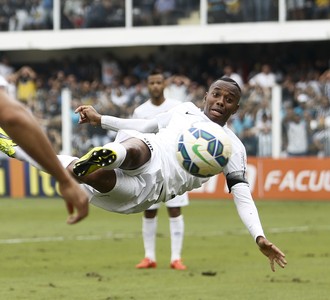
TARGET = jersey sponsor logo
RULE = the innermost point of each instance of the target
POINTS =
(196, 151)
(189, 113)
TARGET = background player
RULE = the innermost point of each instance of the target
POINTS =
(155, 105)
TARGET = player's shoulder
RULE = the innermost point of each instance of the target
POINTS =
(188, 107)
(237, 144)
(142, 107)
(172, 101)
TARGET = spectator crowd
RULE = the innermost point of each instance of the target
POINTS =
(115, 86)
(17, 15)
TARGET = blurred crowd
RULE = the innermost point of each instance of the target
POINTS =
(115, 86)
(17, 15)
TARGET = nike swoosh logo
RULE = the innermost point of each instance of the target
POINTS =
(196, 151)
(188, 113)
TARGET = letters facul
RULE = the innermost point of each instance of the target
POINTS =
(302, 181)
(293, 178)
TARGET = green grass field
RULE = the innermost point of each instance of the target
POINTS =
(43, 258)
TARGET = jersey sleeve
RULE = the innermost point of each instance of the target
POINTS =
(142, 125)
(247, 210)
(238, 185)
(235, 170)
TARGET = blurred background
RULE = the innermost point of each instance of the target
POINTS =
(100, 52)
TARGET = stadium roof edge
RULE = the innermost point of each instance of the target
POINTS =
(263, 32)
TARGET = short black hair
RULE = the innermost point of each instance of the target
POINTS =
(156, 71)
(228, 79)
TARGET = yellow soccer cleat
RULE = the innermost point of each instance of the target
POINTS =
(95, 159)
(6, 144)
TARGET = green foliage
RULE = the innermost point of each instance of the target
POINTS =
(43, 258)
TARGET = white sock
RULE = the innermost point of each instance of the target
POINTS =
(149, 228)
(66, 160)
(121, 152)
(21, 155)
(177, 233)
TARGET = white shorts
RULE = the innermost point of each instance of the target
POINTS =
(135, 190)
(178, 201)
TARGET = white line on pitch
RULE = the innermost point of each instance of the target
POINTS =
(110, 235)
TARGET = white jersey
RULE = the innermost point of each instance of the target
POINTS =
(171, 124)
(148, 110)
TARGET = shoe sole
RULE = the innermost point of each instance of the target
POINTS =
(96, 159)
(7, 145)
(146, 267)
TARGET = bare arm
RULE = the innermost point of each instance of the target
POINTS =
(25, 131)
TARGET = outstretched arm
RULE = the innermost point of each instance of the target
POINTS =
(25, 131)
(89, 115)
(249, 215)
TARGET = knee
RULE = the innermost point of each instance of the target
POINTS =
(174, 212)
(150, 214)
(137, 155)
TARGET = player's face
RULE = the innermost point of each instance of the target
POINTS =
(156, 86)
(221, 101)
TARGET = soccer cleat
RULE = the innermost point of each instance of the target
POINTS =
(146, 263)
(6, 144)
(95, 159)
(178, 265)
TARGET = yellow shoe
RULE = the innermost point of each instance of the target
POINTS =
(6, 144)
(95, 159)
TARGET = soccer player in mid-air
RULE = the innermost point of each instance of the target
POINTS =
(140, 167)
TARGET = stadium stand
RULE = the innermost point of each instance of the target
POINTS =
(83, 65)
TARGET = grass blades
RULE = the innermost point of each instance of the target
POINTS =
(43, 258)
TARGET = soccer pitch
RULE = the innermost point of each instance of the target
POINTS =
(43, 258)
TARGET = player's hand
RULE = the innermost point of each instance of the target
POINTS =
(273, 253)
(76, 200)
(88, 114)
